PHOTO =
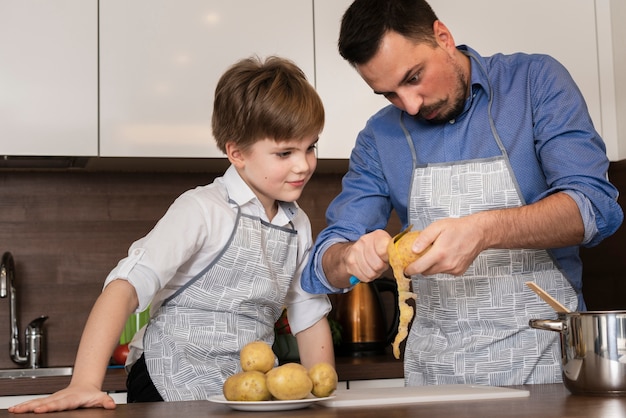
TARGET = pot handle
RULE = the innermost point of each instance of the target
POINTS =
(548, 324)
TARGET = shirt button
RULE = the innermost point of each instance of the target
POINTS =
(452, 121)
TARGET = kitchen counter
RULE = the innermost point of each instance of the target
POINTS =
(348, 368)
(545, 401)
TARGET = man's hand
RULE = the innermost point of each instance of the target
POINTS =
(552, 222)
(365, 259)
(456, 242)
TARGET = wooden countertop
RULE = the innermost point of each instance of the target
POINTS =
(348, 368)
(545, 401)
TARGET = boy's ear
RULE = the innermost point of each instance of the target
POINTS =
(235, 154)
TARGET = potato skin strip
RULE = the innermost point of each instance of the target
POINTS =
(400, 256)
(406, 315)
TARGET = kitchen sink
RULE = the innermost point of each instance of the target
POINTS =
(39, 372)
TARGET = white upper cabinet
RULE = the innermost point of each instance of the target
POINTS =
(348, 100)
(49, 77)
(564, 29)
(136, 78)
(160, 61)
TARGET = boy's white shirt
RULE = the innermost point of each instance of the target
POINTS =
(193, 233)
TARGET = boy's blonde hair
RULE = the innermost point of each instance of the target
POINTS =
(257, 100)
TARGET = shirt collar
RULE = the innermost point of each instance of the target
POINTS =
(478, 78)
(239, 192)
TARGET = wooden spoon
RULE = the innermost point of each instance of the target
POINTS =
(547, 298)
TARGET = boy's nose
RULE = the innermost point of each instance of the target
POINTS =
(304, 163)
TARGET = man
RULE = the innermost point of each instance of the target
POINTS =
(497, 161)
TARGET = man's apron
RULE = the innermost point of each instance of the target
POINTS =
(474, 329)
(193, 342)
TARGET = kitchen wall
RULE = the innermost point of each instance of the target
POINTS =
(67, 229)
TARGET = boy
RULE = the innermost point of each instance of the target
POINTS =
(224, 260)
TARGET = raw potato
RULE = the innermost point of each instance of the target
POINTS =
(257, 355)
(324, 378)
(247, 386)
(289, 381)
(400, 256)
(263, 382)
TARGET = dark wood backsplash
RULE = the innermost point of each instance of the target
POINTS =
(67, 230)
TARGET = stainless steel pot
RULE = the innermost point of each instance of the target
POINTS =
(593, 350)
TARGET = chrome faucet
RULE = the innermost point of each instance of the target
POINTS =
(35, 337)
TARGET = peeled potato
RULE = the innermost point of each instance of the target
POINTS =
(258, 356)
(289, 382)
(324, 378)
(247, 386)
(400, 256)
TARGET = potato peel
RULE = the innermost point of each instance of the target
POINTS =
(400, 256)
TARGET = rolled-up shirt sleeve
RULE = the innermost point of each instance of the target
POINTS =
(587, 214)
(144, 280)
(304, 309)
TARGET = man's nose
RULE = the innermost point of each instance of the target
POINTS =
(411, 103)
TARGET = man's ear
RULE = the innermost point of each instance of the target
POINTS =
(443, 35)
(235, 154)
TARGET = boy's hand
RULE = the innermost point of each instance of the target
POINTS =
(72, 397)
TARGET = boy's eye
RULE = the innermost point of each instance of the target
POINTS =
(284, 154)
(312, 147)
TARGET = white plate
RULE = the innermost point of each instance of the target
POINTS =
(268, 405)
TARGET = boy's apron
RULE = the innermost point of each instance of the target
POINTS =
(192, 344)
(473, 329)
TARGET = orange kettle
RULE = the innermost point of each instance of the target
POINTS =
(361, 314)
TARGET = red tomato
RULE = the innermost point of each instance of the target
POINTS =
(120, 354)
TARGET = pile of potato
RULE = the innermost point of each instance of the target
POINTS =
(261, 381)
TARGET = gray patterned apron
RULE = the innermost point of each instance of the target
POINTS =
(474, 329)
(192, 344)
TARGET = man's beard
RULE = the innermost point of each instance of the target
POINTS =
(457, 108)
